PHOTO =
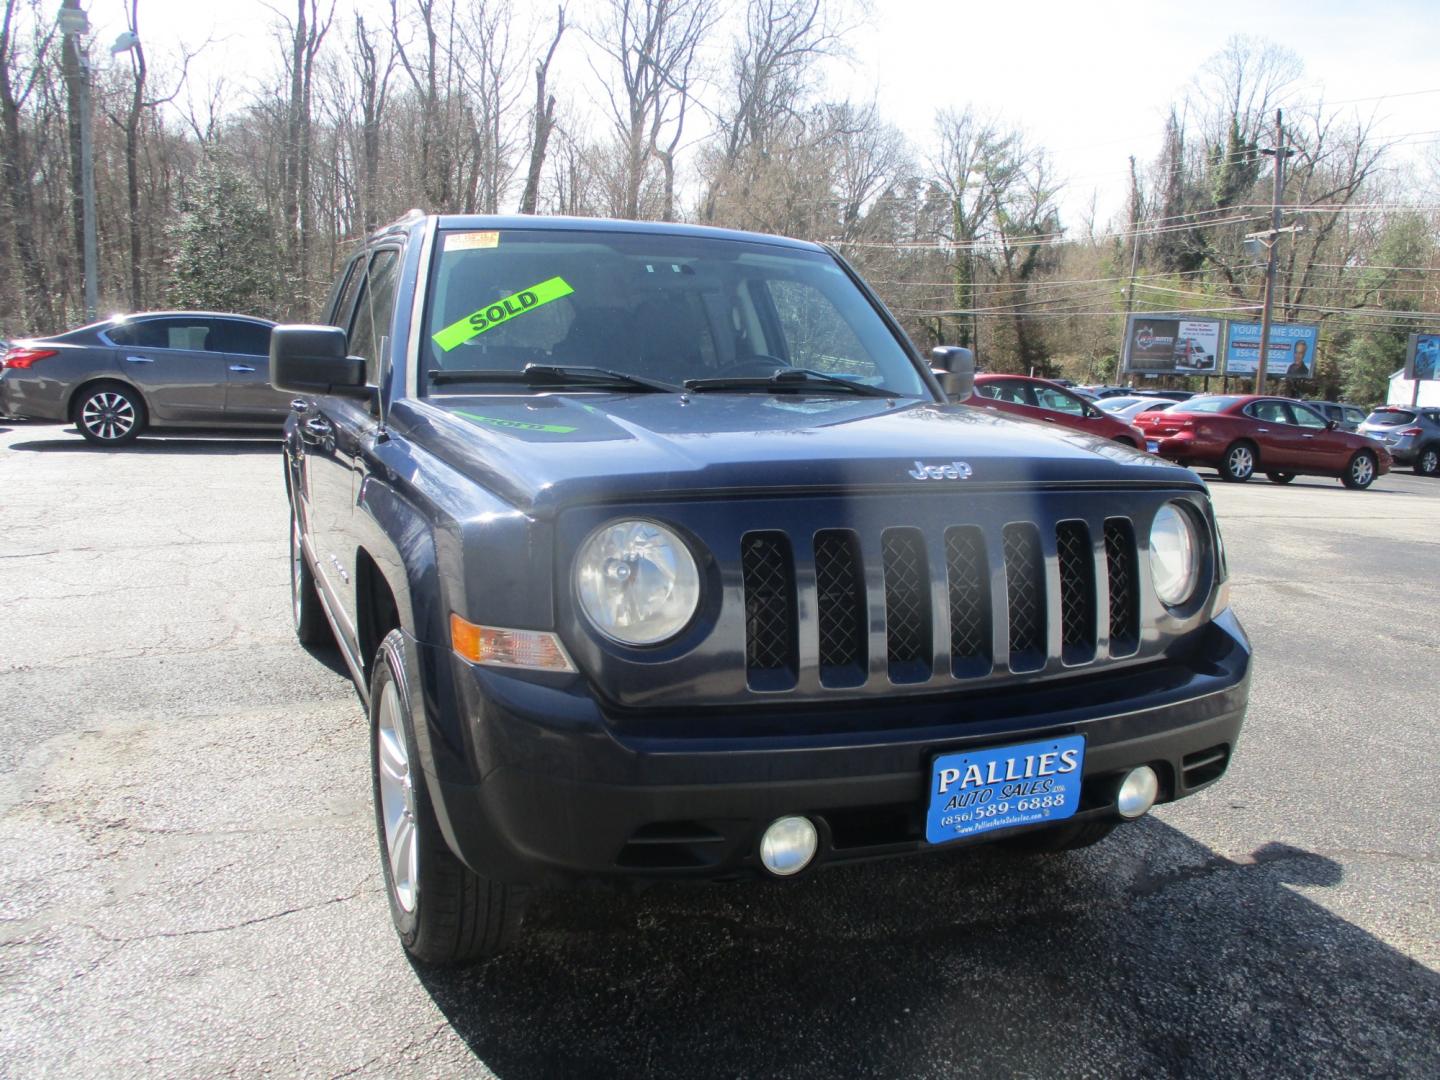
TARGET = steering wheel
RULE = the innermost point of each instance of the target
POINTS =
(759, 366)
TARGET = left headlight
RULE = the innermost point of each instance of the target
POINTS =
(636, 582)
(1174, 555)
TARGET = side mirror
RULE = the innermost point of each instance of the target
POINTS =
(955, 368)
(1331, 425)
(313, 360)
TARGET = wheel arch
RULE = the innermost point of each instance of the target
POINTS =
(72, 403)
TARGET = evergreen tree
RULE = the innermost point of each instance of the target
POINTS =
(226, 257)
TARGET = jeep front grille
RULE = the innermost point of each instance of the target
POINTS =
(907, 606)
(1120, 565)
(771, 650)
(1006, 589)
(840, 608)
(1025, 593)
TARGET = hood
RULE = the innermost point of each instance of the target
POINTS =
(544, 451)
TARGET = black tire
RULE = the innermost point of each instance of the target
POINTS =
(311, 626)
(1359, 474)
(1239, 463)
(453, 916)
(109, 414)
(1279, 477)
(1072, 837)
(1427, 462)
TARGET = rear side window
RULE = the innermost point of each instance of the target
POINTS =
(1271, 412)
(370, 327)
(1354, 416)
(1390, 417)
(1057, 400)
(190, 334)
(1006, 390)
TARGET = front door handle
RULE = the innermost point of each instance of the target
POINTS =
(240, 367)
(1263, 430)
(316, 429)
(1307, 436)
(139, 359)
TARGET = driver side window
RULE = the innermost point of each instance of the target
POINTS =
(1306, 418)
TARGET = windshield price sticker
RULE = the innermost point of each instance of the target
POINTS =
(502, 311)
(470, 241)
(1001, 788)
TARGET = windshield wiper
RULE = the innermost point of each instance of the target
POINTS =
(554, 375)
(786, 379)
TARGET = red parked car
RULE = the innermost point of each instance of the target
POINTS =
(1241, 434)
(1041, 399)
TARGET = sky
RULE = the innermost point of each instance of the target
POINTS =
(1092, 82)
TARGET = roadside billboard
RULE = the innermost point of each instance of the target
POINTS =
(1292, 350)
(1166, 344)
(1422, 358)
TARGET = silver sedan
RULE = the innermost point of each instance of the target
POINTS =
(158, 370)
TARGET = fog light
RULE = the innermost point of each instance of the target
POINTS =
(1138, 792)
(788, 845)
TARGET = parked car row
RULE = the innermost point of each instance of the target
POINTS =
(175, 370)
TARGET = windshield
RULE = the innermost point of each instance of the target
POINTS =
(661, 308)
(1214, 404)
(1390, 417)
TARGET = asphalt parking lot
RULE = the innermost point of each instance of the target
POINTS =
(189, 882)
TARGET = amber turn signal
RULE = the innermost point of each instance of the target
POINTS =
(500, 647)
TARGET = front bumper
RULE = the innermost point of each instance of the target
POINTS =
(537, 784)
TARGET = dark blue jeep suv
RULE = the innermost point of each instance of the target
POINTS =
(658, 551)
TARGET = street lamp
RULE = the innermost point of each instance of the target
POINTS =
(75, 24)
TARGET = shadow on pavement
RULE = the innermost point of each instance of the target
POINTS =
(266, 443)
(328, 656)
(1148, 955)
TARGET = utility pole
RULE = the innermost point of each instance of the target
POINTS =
(1280, 152)
(75, 24)
(1134, 265)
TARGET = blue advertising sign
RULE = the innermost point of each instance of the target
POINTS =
(1292, 350)
(1423, 361)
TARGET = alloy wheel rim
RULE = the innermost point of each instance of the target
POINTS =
(1362, 470)
(108, 416)
(1241, 463)
(397, 802)
(1429, 460)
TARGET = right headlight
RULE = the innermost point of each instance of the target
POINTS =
(1174, 555)
(636, 582)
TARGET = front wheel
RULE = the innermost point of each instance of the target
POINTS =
(1279, 477)
(110, 414)
(444, 913)
(1360, 473)
(1428, 461)
(1238, 465)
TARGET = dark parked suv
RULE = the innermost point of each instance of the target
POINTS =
(658, 552)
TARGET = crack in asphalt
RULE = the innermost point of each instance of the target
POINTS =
(242, 924)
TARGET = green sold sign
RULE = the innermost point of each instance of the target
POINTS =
(502, 311)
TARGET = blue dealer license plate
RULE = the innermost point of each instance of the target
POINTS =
(1152, 445)
(980, 791)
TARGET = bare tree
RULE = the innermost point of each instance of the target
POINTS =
(543, 120)
(654, 43)
(769, 73)
(22, 58)
(372, 75)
